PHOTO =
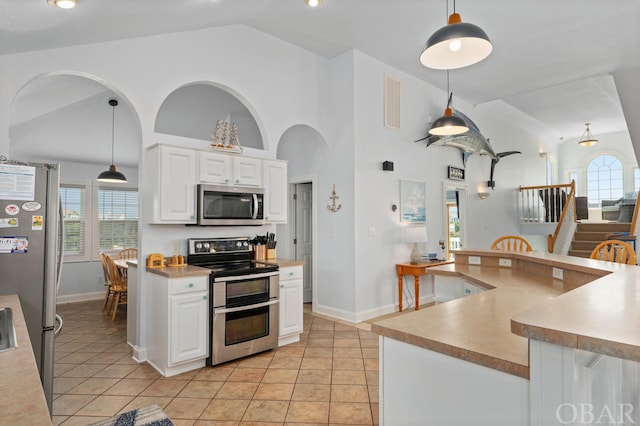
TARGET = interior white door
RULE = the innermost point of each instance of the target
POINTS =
(303, 238)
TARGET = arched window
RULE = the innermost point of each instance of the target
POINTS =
(604, 179)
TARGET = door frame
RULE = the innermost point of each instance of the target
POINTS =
(463, 198)
(313, 180)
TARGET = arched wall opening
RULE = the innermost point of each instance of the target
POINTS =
(193, 110)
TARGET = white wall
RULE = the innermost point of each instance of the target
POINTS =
(342, 100)
(377, 190)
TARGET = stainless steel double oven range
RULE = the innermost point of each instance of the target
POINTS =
(244, 298)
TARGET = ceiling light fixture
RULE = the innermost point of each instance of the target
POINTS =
(313, 3)
(112, 175)
(587, 138)
(63, 4)
(456, 45)
(449, 124)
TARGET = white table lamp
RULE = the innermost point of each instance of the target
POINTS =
(415, 235)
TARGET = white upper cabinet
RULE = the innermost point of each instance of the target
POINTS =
(225, 169)
(174, 193)
(215, 168)
(247, 171)
(275, 183)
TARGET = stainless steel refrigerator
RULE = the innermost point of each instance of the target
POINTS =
(31, 253)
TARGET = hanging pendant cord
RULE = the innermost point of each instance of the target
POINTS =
(113, 126)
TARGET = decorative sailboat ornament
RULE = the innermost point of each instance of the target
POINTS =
(225, 137)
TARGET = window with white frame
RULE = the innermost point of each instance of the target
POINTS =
(604, 179)
(74, 208)
(117, 218)
(636, 179)
(98, 218)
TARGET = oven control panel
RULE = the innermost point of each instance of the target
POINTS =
(218, 245)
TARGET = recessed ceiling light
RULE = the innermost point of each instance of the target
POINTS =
(313, 3)
(63, 4)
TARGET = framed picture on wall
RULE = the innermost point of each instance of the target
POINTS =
(413, 201)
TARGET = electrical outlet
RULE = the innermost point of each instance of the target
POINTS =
(372, 231)
(557, 273)
(99, 279)
(505, 262)
(176, 247)
(474, 260)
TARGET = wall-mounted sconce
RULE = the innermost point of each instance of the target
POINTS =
(543, 154)
(483, 195)
(387, 166)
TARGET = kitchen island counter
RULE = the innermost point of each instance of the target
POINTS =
(179, 271)
(23, 400)
(539, 320)
(478, 328)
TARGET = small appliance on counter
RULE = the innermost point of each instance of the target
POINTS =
(158, 260)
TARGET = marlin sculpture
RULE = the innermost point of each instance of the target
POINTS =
(469, 142)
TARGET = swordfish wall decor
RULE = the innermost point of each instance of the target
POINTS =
(470, 142)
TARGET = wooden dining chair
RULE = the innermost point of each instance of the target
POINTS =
(614, 251)
(118, 287)
(511, 243)
(128, 253)
(107, 280)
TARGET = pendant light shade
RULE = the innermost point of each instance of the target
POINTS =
(587, 138)
(456, 45)
(112, 175)
(449, 124)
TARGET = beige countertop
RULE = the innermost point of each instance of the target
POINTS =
(22, 401)
(283, 263)
(179, 271)
(596, 307)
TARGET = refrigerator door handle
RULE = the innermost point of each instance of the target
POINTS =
(61, 245)
(59, 328)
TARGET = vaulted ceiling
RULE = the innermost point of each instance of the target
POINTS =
(550, 71)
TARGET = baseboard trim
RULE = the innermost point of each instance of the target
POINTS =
(80, 297)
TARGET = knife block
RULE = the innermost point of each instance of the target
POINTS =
(260, 252)
(271, 253)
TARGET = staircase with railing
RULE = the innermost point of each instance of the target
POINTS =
(551, 210)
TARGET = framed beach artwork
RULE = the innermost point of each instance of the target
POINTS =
(413, 201)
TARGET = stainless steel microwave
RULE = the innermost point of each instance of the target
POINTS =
(230, 205)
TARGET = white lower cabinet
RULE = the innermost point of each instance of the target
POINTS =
(178, 324)
(290, 304)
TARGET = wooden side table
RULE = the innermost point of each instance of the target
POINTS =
(416, 270)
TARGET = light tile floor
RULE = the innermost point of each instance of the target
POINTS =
(330, 377)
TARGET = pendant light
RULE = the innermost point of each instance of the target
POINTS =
(313, 3)
(456, 45)
(112, 175)
(587, 138)
(63, 4)
(449, 124)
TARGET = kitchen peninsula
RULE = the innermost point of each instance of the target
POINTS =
(495, 353)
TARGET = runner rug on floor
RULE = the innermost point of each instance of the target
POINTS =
(145, 416)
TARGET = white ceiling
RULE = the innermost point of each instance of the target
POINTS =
(550, 69)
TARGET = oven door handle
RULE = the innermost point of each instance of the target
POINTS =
(245, 308)
(246, 277)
